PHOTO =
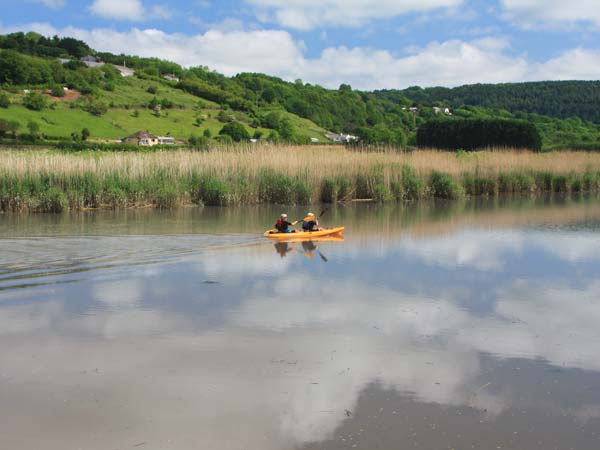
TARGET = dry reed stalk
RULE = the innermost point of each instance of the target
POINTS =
(317, 162)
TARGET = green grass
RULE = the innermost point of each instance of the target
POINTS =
(62, 122)
(131, 94)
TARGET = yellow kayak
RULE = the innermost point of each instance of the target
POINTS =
(304, 234)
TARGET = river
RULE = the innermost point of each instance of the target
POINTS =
(466, 325)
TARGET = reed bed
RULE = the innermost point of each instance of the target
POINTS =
(49, 180)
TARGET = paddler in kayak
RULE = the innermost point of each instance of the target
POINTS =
(310, 223)
(283, 225)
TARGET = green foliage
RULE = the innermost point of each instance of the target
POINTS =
(472, 134)
(85, 134)
(236, 130)
(4, 100)
(95, 106)
(199, 142)
(378, 118)
(35, 101)
(57, 90)
(4, 127)
(33, 127)
(562, 99)
(225, 117)
(444, 186)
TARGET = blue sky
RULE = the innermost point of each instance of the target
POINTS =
(368, 43)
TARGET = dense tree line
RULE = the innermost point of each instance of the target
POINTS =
(35, 44)
(474, 134)
(562, 99)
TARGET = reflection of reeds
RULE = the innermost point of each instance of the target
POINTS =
(53, 181)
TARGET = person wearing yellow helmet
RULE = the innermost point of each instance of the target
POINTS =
(310, 223)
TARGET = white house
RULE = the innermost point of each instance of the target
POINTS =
(166, 140)
(442, 110)
(141, 138)
(92, 61)
(314, 140)
(341, 138)
(171, 78)
(125, 71)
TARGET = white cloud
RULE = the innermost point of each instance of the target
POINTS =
(119, 9)
(55, 4)
(230, 49)
(579, 63)
(534, 13)
(308, 14)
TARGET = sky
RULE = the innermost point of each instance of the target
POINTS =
(369, 44)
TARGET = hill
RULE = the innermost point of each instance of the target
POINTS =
(115, 95)
(561, 99)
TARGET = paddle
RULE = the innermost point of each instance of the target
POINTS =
(322, 256)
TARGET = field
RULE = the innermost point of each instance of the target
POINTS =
(54, 181)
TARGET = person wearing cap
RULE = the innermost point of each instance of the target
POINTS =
(310, 223)
(283, 226)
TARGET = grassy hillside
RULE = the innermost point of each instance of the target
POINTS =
(202, 101)
(128, 112)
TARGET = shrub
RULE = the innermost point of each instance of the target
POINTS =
(444, 186)
(57, 91)
(412, 185)
(95, 107)
(53, 200)
(35, 101)
(4, 100)
(236, 130)
(212, 191)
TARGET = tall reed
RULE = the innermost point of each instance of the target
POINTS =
(49, 180)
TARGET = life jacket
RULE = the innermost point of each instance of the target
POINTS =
(309, 223)
(281, 225)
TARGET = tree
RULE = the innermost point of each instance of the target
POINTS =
(57, 91)
(236, 130)
(272, 120)
(95, 107)
(85, 134)
(207, 133)
(224, 116)
(35, 101)
(34, 128)
(4, 100)
(4, 127)
(13, 127)
(286, 130)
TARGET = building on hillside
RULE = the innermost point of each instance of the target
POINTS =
(341, 138)
(92, 61)
(171, 77)
(125, 71)
(166, 140)
(442, 110)
(314, 140)
(141, 138)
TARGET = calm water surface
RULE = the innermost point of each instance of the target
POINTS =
(472, 325)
